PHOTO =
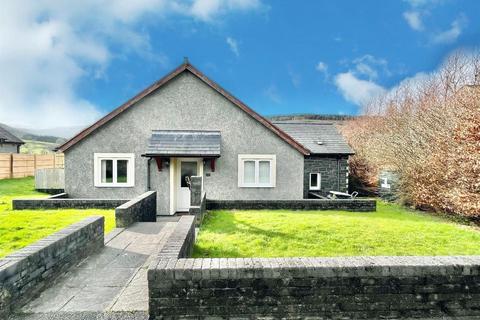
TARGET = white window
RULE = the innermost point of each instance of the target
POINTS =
(385, 183)
(114, 169)
(315, 181)
(256, 170)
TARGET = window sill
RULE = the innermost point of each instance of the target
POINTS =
(115, 186)
(257, 187)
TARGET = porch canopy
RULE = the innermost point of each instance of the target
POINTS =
(184, 143)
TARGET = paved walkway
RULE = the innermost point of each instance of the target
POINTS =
(113, 281)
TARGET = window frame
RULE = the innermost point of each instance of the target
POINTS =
(257, 158)
(319, 181)
(384, 183)
(98, 157)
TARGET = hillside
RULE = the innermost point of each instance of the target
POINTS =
(37, 144)
(312, 117)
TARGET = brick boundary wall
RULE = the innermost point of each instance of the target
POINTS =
(320, 288)
(66, 203)
(363, 205)
(140, 209)
(28, 271)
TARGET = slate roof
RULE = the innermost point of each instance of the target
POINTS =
(8, 137)
(184, 143)
(309, 134)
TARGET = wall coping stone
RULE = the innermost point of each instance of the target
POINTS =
(64, 202)
(368, 266)
(142, 208)
(360, 205)
(139, 198)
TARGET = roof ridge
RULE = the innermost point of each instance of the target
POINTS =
(309, 123)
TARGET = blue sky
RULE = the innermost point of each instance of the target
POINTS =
(68, 64)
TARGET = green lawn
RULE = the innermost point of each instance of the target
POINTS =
(392, 230)
(19, 228)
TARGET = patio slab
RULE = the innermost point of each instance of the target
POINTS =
(105, 284)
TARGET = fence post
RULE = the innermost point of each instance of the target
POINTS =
(11, 165)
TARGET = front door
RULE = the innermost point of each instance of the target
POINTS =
(185, 169)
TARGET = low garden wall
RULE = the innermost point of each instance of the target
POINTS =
(321, 288)
(363, 205)
(25, 273)
(142, 208)
(66, 203)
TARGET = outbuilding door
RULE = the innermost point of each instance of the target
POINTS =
(186, 168)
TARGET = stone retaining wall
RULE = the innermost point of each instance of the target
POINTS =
(321, 288)
(141, 209)
(66, 203)
(181, 241)
(363, 205)
(26, 272)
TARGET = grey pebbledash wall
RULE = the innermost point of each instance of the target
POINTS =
(141, 209)
(321, 288)
(28, 271)
(333, 171)
(185, 103)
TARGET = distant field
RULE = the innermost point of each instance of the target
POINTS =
(37, 147)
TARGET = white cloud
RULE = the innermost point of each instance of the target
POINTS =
(273, 94)
(233, 44)
(423, 3)
(356, 90)
(207, 9)
(295, 77)
(367, 65)
(322, 67)
(450, 35)
(414, 20)
(48, 47)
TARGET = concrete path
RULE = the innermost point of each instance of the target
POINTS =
(111, 284)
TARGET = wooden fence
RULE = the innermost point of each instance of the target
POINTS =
(14, 165)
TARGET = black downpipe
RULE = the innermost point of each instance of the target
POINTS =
(338, 174)
(148, 173)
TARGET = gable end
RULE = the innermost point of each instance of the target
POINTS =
(184, 67)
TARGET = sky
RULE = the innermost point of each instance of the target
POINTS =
(67, 63)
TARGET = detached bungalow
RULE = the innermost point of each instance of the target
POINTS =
(187, 125)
